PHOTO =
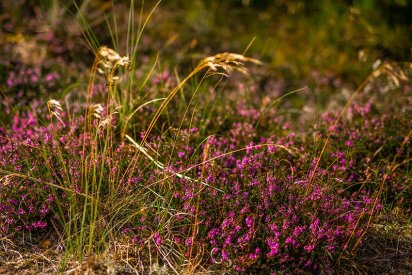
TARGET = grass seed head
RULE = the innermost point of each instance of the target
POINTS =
(96, 110)
(107, 122)
(227, 62)
(55, 109)
(109, 60)
(6, 180)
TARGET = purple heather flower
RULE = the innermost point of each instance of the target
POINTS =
(157, 238)
(39, 224)
(225, 255)
(309, 248)
(189, 241)
(249, 221)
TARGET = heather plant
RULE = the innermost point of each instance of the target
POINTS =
(253, 209)
(363, 145)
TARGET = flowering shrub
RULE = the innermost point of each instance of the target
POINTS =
(25, 203)
(41, 171)
(258, 203)
(259, 211)
(366, 146)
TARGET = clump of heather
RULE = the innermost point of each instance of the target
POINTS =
(42, 166)
(259, 211)
(254, 203)
(369, 149)
(24, 200)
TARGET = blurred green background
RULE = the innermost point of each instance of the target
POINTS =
(337, 39)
